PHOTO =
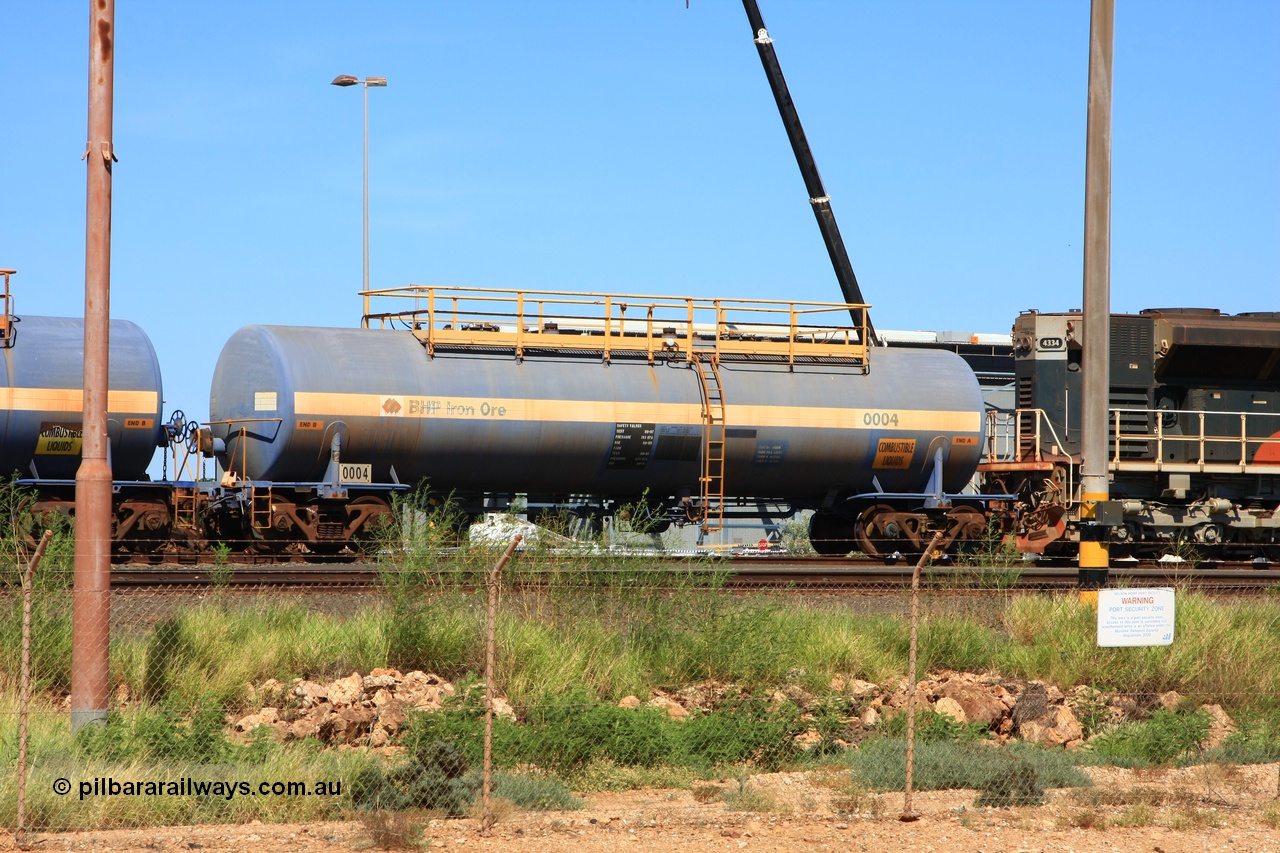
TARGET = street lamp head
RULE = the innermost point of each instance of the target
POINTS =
(345, 80)
(375, 81)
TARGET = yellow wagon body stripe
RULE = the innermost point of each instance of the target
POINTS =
(72, 400)
(333, 405)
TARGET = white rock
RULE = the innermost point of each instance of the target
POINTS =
(951, 708)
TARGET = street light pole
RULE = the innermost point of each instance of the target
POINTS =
(349, 80)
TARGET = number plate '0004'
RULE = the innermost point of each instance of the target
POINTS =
(349, 473)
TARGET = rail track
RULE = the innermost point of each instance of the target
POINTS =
(834, 575)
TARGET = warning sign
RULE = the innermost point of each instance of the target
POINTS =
(894, 453)
(59, 439)
(1135, 617)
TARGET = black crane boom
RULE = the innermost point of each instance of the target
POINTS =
(818, 198)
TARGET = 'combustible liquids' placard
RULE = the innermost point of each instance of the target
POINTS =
(1135, 617)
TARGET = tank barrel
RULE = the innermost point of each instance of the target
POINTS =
(818, 198)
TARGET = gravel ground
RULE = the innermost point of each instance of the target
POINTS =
(1196, 810)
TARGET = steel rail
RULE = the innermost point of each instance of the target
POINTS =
(826, 574)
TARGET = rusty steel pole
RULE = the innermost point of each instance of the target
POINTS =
(91, 609)
(1094, 553)
(909, 814)
(490, 667)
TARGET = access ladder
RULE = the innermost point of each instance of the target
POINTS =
(712, 479)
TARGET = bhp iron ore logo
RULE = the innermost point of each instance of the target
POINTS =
(391, 406)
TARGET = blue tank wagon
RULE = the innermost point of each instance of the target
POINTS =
(42, 396)
(695, 418)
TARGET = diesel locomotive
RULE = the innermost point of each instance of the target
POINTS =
(1193, 434)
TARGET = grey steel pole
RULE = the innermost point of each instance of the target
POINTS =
(91, 607)
(365, 86)
(1094, 553)
(345, 80)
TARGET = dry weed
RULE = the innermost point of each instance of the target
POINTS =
(1195, 818)
(1138, 814)
(706, 793)
(392, 830)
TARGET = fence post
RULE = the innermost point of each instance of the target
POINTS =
(24, 687)
(908, 813)
(490, 652)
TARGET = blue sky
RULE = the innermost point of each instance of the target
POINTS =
(634, 147)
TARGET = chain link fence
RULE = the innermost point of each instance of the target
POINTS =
(232, 701)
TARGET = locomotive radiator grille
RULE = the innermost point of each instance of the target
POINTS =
(1027, 419)
(1131, 340)
(1129, 408)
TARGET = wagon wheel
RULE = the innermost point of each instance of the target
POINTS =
(966, 527)
(367, 517)
(880, 531)
(1210, 544)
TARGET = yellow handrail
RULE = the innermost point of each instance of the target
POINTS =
(609, 323)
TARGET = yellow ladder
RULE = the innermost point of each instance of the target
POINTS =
(260, 510)
(712, 479)
(185, 507)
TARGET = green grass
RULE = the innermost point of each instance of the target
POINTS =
(1162, 740)
(208, 655)
(144, 747)
(1223, 651)
(579, 632)
(946, 764)
(611, 637)
(577, 733)
(615, 636)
